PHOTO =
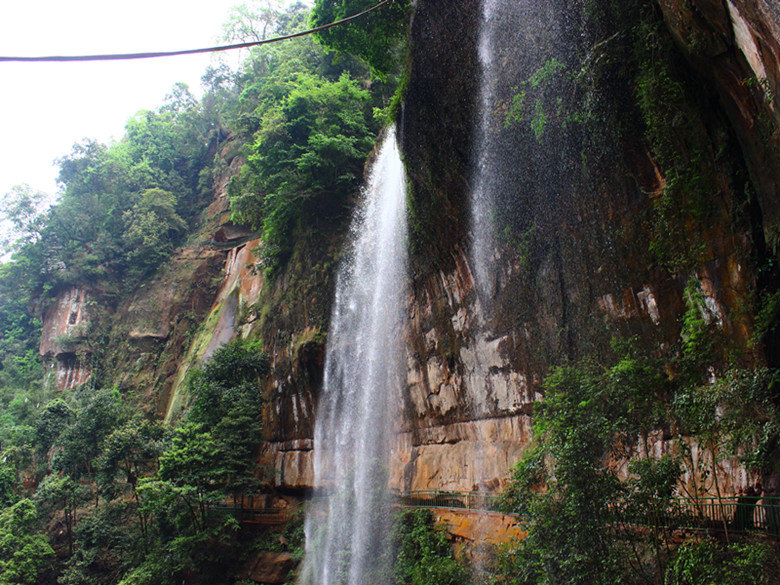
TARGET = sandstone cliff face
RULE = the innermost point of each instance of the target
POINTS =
(63, 351)
(137, 342)
(475, 371)
(587, 274)
(735, 46)
(468, 402)
(152, 329)
(241, 284)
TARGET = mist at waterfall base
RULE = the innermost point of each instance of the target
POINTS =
(345, 531)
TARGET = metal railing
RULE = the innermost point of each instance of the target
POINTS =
(734, 514)
(264, 516)
(484, 501)
(731, 514)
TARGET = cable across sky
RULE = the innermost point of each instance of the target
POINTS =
(215, 49)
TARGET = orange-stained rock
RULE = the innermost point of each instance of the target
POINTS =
(64, 355)
(269, 568)
(65, 319)
(228, 317)
(290, 462)
(459, 457)
(67, 371)
(479, 527)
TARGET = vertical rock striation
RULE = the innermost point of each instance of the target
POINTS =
(64, 354)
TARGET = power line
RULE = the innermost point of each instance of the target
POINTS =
(151, 55)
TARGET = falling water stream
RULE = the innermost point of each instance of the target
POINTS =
(487, 156)
(485, 179)
(363, 375)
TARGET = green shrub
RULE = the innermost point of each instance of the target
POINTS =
(425, 556)
(24, 552)
(707, 562)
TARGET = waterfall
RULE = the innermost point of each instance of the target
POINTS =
(487, 174)
(364, 372)
(526, 135)
(486, 170)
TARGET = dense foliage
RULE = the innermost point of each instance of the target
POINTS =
(308, 118)
(375, 39)
(84, 473)
(130, 500)
(123, 207)
(306, 121)
(306, 160)
(596, 423)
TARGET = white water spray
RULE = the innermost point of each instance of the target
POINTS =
(363, 375)
(487, 167)
(485, 181)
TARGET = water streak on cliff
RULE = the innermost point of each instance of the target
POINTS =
(363, 374)
(485, 172)
(486, 181)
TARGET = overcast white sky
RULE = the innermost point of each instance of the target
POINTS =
(46, 107)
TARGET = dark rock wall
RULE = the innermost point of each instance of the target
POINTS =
(586, 273)
(576, 266)
(735, 46)
(436, 126)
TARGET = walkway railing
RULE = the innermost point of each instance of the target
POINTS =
(735, 515)
(249, 509)
(484, 501)
(261, 516)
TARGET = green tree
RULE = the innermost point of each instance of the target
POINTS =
(24, 212)
(566, 485)
(107, 542)
(375, 38)
(569, 540)
(307, 158)
(25, 553)
(58, 492)
(233, 373)
(214, 451)
(251, 22)
(8, 479)
(707, 562)
(187, 470)
(81, 442)
(53, 420)
(130, 451)
(19, 326)
(226, 399)
(152, 229)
